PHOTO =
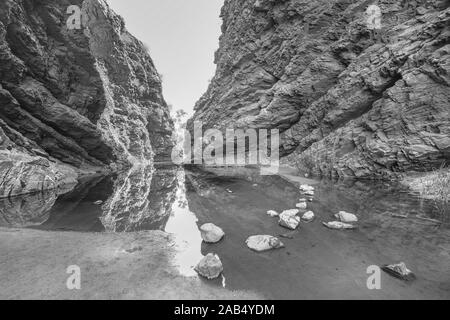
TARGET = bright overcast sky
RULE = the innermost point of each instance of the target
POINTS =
(182, 36)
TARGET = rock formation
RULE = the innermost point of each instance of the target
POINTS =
(74, 101)
(348, 103)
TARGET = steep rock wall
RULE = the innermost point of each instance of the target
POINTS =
(74, 101)
(347, 104)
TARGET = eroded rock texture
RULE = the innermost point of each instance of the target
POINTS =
(78, 100)
(347, 104)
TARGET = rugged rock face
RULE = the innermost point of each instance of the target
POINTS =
(74, 101)
(347, 104)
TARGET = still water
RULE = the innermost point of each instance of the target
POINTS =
(395, 226)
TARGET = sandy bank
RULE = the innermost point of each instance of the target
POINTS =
(33, 265)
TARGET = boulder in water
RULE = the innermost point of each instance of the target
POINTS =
(290, 212)
(337, 225)
(210, 267)
(289, 221)
(261, 243)
(399, 271)
(302, 205)
(308, 216)
(305, 188)
(211, 233)
(347, 217)
(272, 213)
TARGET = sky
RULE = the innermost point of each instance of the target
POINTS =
(182, 36)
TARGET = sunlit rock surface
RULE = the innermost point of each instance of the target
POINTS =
(346, 105)
(81, 100)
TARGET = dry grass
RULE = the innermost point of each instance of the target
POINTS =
(436, 187)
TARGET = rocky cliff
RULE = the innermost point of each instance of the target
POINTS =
(74, 100)
(349, 103)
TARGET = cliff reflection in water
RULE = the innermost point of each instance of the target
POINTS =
(140, 199)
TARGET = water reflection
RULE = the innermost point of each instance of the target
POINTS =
(183, 225)
(318, 263)
(142, 200)
(26, 211)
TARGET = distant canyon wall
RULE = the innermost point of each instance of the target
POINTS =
(74, 100)
(348, 102)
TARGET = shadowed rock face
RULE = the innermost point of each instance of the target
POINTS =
(347, 104)
(84, 100)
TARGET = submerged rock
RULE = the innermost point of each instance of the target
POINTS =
(289, 235)
(337, 225)
(99, 202)
(346, 217)
(261, 243)
(308, 216)
(399, 271)
(272, 213)
(210, 267)
(211, 233)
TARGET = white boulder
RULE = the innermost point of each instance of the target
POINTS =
(308, 216)
(211, 233)
(302, 205)
(290, 212)
(337, 225)
(289, 222)
(305, 188)
(263, 243)
(346, 217)
(210, 267)
(272, 213)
